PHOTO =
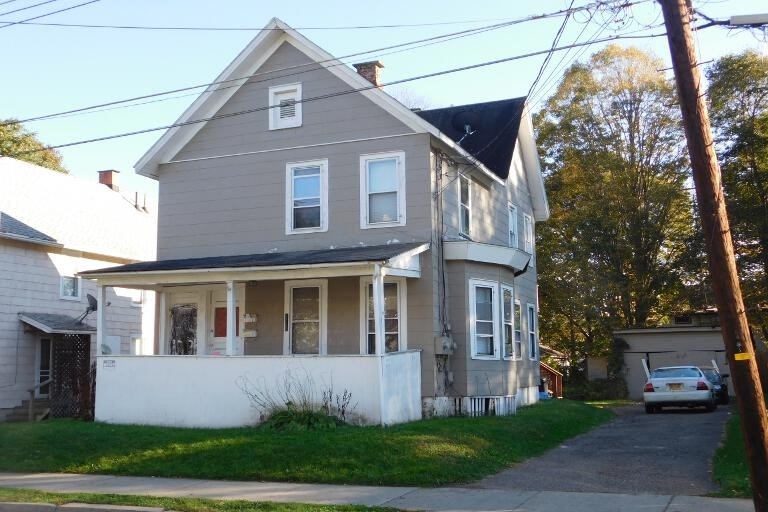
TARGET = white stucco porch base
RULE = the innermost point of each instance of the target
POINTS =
(205, 391)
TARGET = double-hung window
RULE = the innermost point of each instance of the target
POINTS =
(518, 326)
(465, 206)
(306, 197)
(69, 288)
(528, 227)
(382, 190)
(285, 106)
(508, 321)
(533, 348)
(483, 319)
(394, 311)
(512, 211)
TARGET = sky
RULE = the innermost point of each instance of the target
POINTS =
(50, 69)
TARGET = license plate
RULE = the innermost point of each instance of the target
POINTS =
(675, 386)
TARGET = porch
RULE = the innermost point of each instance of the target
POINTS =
(335, 320)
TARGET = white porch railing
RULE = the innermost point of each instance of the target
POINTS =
(206, 391)
(505, 405)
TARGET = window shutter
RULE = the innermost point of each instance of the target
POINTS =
(287, 108)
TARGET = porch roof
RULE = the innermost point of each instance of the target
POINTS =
(53, 323)
(399, 257)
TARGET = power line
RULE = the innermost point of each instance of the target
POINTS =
(332, 95)
(28, 7)
(198, 86)
(48, 14)
(8, 2)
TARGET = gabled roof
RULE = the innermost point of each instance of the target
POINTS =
(493, 130)
(14, 229)
(75, 213)
(248, 62)
(375, 253)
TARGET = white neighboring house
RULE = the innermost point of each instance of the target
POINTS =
(52, 226)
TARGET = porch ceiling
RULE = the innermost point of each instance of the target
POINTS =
(398, 259)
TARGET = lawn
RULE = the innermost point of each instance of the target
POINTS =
(730, 463)
(424, 453)
(176, 504)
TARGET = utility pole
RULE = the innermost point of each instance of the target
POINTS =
(678, 16)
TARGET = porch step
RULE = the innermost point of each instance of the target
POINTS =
(41, 410)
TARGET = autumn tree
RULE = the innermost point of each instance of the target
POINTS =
(738, 96)
(22, 144)
(612, 151)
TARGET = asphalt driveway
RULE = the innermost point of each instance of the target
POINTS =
(637, 453)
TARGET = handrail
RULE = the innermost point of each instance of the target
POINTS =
(31, 406)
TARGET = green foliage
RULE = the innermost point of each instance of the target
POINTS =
(294, 419)
(729, 466)
(17, 142)
(738, 96)
(611, 255)
(425, 453)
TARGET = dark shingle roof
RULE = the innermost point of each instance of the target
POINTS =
(13, 228)
(495, 125)
(54, 323)
(270, 259)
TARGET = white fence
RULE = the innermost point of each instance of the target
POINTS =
(490, 405)
(208, 391)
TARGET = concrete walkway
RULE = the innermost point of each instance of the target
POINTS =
(437, 499)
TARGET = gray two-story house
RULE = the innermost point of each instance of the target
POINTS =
(313, 228)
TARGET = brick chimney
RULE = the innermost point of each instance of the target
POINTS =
(109, 178)
(370, 71)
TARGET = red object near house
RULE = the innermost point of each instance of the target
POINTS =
(554, 378)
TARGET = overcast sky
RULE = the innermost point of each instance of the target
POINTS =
(48, 69)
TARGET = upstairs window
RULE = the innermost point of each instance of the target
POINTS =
(528, 226)
(69, 288)
(513, 239)
(285, 106)
(465, 210)
(382, 190)
(306, 197)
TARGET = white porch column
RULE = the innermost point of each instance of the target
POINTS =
(101, 324)
(231, 317)
(162, 321)
(378, 308)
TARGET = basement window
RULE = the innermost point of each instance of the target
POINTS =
(285, 106)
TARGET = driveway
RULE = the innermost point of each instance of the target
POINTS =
(637, 453)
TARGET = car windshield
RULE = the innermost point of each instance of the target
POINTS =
(665, 373)
(712, 375)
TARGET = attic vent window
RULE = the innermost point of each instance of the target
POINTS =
(285, 103)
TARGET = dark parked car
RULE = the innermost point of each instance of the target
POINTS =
(719, 383)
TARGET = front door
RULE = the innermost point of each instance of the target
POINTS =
(44, 367)
(183, 335)
(220, 325)
(305, 316)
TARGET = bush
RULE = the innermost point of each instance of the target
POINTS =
(598, 389)
(292, 419)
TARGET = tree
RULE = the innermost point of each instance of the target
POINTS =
(738, 96)
(18, 142)
(611, 255)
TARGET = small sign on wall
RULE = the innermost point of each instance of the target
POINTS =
(109, 364)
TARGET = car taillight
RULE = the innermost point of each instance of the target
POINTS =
(701, 386)
(648, 387)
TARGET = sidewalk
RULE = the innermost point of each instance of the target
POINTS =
(437, 499)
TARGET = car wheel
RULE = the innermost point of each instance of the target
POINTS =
(711, 406)
(649, 409)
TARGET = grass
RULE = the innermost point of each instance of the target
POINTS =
(424, 453)
(610, 403)
(176, 504)
(730, 463)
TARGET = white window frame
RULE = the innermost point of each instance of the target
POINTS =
(364, 159)
(79, 287)
(289, 167)
(462, 206)
(306, 283)
(513, 355)
(275, 123)
(533, 339)
(528, 233)
(517, 327)
(512, 218)
(494, 286)
(402, 311)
